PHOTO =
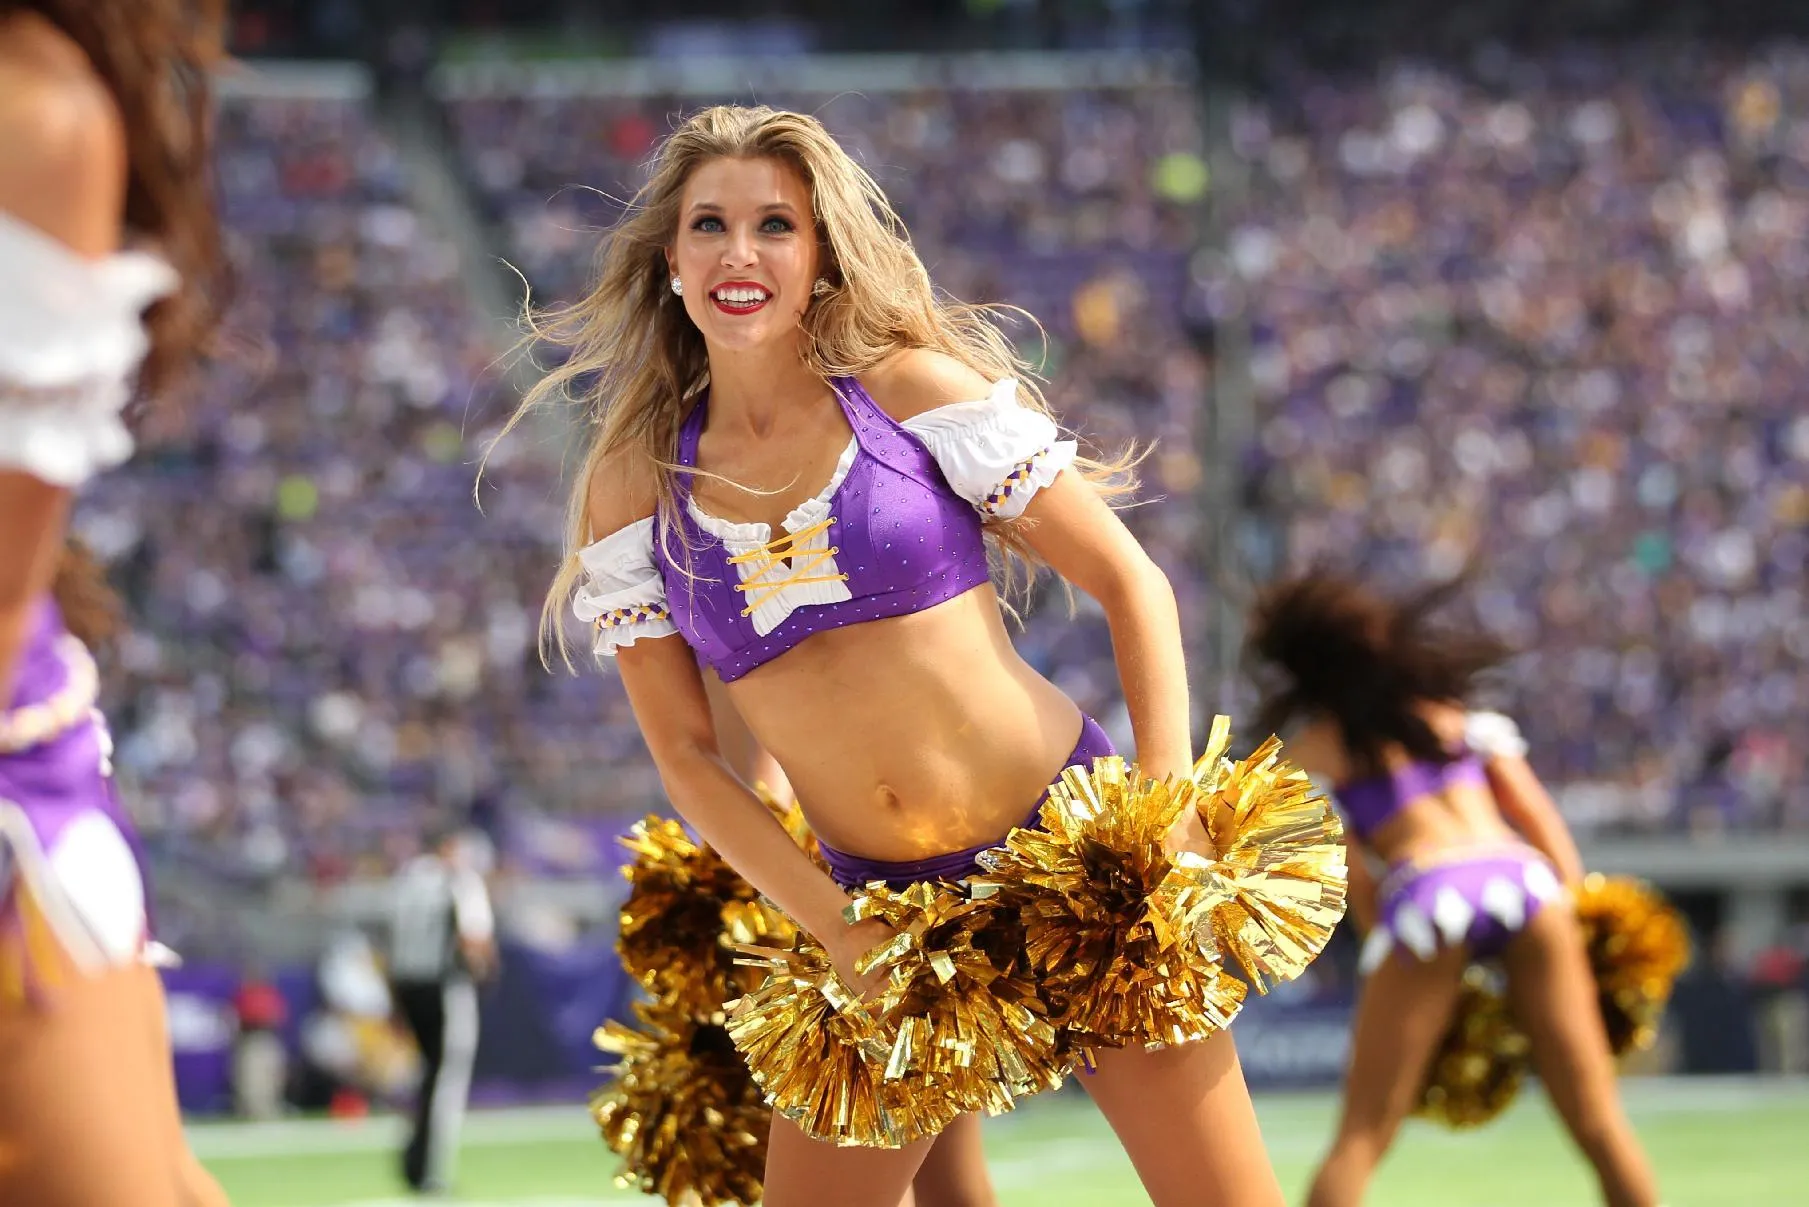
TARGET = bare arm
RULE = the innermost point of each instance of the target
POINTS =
(1527, 807)
(745, 756)
(33, 515)
(1360, 888)
(475, 922)
(1070, 527)
(1085, 542)
(62, 171)
(666, 690)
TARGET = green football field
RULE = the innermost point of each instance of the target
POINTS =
(1736, 1143)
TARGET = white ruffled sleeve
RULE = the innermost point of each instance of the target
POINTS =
(71, 339)
(1493, 735)
(995, 453)
(622, 594)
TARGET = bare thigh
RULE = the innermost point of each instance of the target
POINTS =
(1402, 1012)
(1185, 1119)
(953, 1173)
(88, 1109)
(1553, 995)
(801, 1172)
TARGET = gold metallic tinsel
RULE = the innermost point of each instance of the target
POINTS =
(1637, 946)
(1480, 1063)
(1113, 929)
(959, 1006)
(1278, 881)
(681, 1110)
(682, 897)
(686, 907)
(820, 1054)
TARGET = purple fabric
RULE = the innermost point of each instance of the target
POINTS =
(59, 780)
(850, 870)
(55, 782)
(905, 540)
(1480, 897)
(1368, 803)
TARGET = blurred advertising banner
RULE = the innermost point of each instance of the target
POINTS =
(203, 1028)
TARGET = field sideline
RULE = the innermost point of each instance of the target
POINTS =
(1717, 1143)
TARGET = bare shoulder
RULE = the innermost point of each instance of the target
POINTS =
(62, 139)
(623, 488)
(914, 380)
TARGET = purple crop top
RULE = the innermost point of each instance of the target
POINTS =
(1368, 803)
(896, 530)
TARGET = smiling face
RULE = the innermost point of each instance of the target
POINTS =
(746, 251)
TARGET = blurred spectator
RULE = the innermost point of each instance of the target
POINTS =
(260, 1061)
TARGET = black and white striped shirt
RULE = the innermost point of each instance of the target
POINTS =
(436, 906)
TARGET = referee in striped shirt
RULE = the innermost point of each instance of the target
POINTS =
(442, 944)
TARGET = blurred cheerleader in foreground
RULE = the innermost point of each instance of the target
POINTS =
(102, 145)
(800, 458)
(1477, 865)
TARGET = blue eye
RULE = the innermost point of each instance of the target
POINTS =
(707, 224)
(775, 226)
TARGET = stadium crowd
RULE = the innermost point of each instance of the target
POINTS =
(1548, 313)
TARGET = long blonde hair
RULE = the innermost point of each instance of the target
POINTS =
(642, 361)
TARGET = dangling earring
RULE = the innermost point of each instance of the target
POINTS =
(678, 287)
(822, 287)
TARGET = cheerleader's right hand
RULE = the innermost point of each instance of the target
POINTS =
(852, 942)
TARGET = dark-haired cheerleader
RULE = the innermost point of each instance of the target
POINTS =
(1478, 864)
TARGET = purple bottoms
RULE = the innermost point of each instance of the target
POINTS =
(67, 849)
(1478, 897)
(851, 870)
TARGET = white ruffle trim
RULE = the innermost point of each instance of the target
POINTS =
(1493, 735)
(71, 339)
(995, 453)
(622, 594)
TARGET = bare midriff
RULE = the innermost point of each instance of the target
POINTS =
(1461, 815)
(911, 736)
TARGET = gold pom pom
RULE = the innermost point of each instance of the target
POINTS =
(962, 1027)
(1278, 882)
(1482, 1060)
(1638, 945)
(681, 898)
(1112, 929)
(686, 907)
(820, 1055)
(681, 1110)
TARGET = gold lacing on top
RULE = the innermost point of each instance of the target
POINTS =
(774, 555)
(70, 705)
